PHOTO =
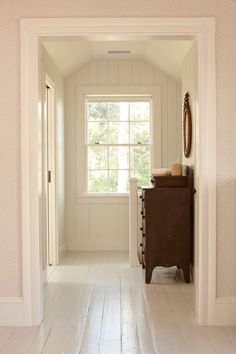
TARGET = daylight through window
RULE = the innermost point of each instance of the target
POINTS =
(118, 143)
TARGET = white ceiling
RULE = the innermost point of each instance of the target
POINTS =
(167, 55)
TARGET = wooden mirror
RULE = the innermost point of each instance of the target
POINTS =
(187, 125)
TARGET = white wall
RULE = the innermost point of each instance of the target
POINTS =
(101, 223)
(49, 68)
(10, 211)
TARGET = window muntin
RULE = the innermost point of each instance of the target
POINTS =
(118, 143)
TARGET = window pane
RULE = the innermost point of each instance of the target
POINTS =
(114, 111)
(119, 111)
(97, 133)
(97, 157)
(97, 111)
(118, 181)
(118, 133)
(139, 110)
(98, 181)
(143, 177)
(139, 133)
(119, 157)
(139, 157)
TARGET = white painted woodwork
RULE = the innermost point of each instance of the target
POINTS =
(96, 304)
(133, 222)
(101, 223)
(49, 165)
(203, 30)
(57, 162)
(113, 77)
(190, 84)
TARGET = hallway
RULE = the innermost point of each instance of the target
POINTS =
(94, 303)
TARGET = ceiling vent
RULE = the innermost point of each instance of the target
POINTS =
(118, 52)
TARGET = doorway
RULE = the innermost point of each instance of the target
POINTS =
(205, 292)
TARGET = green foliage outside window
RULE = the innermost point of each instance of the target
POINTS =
(118, 137)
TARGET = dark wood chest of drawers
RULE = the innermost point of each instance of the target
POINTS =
(167, 225)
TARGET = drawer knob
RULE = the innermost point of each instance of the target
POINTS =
(141, 228)
(141, 245)
(142, 252)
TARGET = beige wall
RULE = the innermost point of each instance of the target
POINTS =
(87, 224)
(10, 13)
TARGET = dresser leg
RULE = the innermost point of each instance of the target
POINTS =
(148, 274)
(186, 271)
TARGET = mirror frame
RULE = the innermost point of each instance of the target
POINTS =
(187, 126)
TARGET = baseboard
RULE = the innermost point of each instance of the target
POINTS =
(11, 311)
(225, 311)
(62, 251)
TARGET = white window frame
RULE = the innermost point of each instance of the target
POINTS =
(153, 91)
(116, 98)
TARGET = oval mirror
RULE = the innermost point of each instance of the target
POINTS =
(187, 125)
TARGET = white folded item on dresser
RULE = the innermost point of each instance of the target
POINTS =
(161, 172)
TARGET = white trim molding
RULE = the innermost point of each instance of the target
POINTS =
(202, 30)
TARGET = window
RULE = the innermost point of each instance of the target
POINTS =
(118, 143)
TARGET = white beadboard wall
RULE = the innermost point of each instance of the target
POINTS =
(101, 223)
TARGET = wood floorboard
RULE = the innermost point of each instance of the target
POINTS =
(95, 304)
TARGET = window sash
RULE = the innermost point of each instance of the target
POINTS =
(130, 169)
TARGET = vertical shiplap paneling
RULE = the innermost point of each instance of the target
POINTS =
(157, 77)
(164, 116)
(123, 223)
(101, 226)
(103, 72)
(113, 72)
(70, 153)
(189, 83)
(147, 74)
(82, 224)
(124, 72)
(172, 122)
(115, 221)
(83, 75)
(136, 72)
(93, 73)
(179, 120)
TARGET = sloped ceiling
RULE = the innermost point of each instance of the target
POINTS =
(167, 55)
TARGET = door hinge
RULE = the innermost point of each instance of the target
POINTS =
(49, 177)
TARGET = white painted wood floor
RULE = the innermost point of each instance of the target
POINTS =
(94, 303)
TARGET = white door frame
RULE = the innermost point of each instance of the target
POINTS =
(200, 29)
(50, 165)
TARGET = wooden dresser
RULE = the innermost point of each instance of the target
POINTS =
(167, 224)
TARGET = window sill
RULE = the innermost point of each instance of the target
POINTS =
(102, 195)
